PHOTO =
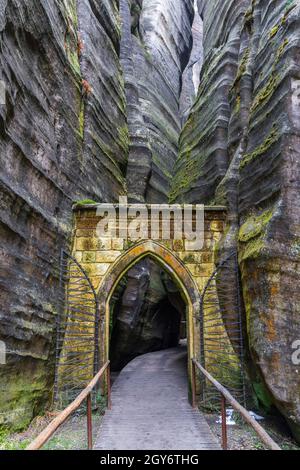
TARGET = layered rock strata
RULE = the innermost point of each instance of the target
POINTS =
(63, 137)
(240, 147)
(155, 50)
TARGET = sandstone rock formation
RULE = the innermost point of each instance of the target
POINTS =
(155, 49)
(96, 96)
(61, 140)
(191, 74)
(240, 146)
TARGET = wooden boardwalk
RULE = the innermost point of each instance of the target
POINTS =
(150, 408)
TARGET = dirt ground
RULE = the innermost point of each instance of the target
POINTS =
(242, 437)
(73, 435)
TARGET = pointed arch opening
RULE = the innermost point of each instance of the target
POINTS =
(172, 265)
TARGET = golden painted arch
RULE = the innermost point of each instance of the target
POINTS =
(106, 260)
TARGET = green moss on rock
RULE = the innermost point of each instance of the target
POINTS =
(271, 139)
(84, 202)
(255, 226)
(263, 395)
(267, 91)
(242, 68)
(27, 387)
(124, 137)
(252, 235)
(71, 35)
(274, 31)
(281, 50)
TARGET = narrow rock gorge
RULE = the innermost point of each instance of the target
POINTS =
(179, 101)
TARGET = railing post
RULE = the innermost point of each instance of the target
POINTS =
(89, 421)
(108, 387)
(194, 403)
(224, 423)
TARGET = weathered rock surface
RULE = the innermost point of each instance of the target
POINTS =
(203, 155)
(191, 74)
(60, 141)
(240, 146)
(89, 115)
(155, 49)
(269, 206)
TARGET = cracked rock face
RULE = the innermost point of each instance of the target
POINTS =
(155, 50)
(191, 74)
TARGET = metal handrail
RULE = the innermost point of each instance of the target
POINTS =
(45, 435)
(227, 397)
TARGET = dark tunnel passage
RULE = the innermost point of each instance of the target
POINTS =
(147, 313)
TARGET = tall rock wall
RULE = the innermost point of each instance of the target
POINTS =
(61, 139)
(155, 50)
(96, 95)
(191, 74)
(240, 146)
(203, 155)
(76, 96)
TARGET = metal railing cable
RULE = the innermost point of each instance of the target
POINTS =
(221, 333)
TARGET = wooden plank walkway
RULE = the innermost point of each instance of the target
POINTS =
(150, 408)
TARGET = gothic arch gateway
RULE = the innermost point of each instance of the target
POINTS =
(94, 268)
(171, 263)
(106, 260)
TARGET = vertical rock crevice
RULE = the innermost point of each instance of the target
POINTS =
(191, 75)
(155, 48)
